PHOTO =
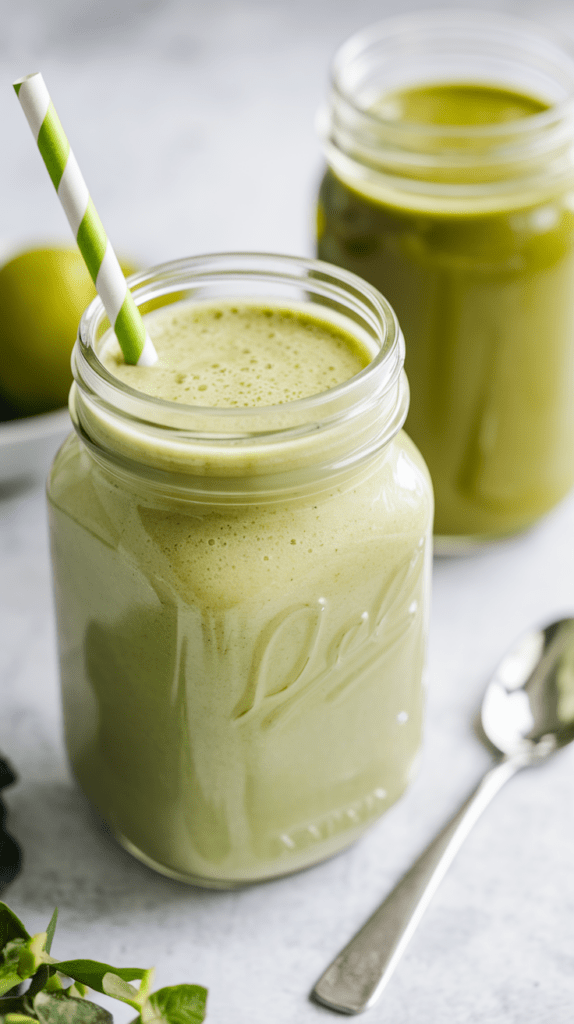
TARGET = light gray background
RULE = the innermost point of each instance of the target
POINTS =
(194, 125)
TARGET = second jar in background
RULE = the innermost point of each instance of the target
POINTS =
(450, 186)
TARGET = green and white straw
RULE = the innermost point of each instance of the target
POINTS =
(87, 227)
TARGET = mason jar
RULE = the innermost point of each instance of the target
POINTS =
(449, 139)
(242, 592)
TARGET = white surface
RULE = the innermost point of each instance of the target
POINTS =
(194, 127)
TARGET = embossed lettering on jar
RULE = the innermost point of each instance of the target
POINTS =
(242, 592)
(450, 138)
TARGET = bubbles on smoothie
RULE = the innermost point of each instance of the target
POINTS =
(241, 355)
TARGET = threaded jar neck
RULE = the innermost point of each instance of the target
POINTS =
(259, 450)
(366, 144)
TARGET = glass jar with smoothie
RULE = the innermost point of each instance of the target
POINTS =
(241, 544)
(449, 139)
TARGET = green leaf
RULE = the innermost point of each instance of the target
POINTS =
(50, 931)
(78, 990)
(176, 1004)
(115, 986)
(9, 978)
(13, 949)
(60, 1008)
(38, 946)
(39, 981)
(92, 972)
(11, 926)
(53, 983)
(27, 964)
(46, 1002)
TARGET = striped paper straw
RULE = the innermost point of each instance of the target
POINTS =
(87, 227)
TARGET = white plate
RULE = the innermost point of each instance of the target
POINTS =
(28, 445)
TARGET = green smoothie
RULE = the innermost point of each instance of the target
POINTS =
(475, 251)
(241, 677)
(239, 354)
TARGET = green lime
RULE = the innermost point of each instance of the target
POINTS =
(43, 293)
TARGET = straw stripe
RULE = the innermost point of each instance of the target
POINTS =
(35, 101)
(73, 194)
(92, 240)
(53, 145)
(88, 229)
(130, 324)
(149, 354)
(108, 285)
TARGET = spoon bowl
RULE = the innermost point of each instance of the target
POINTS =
(528, 706)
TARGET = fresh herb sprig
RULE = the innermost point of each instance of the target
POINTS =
(27, 958)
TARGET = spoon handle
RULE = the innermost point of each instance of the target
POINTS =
(357, 976)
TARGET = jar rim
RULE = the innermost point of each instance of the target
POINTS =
(337, 426)
(447, 24)
(158, 280)
(458, 47)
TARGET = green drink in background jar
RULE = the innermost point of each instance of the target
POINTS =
(450, 187)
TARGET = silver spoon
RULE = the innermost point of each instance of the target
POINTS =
(527, 713)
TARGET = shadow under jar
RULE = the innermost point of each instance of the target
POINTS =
(242, 590)
(449, 138)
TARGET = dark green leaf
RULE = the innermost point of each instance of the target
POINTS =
(10, 926)
(38, 981)
(91, 972)
(14, 1004)
(62, 1009)
(7, 774)
(178, 1004)
(10, 856)
(50, 931)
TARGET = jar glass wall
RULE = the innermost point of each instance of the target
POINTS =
(242, 593)
(450, 186)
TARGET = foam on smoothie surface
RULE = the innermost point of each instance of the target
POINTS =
(240, 354)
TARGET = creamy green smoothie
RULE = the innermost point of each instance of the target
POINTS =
(241, 676)
(470, 234)
(240, 354)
